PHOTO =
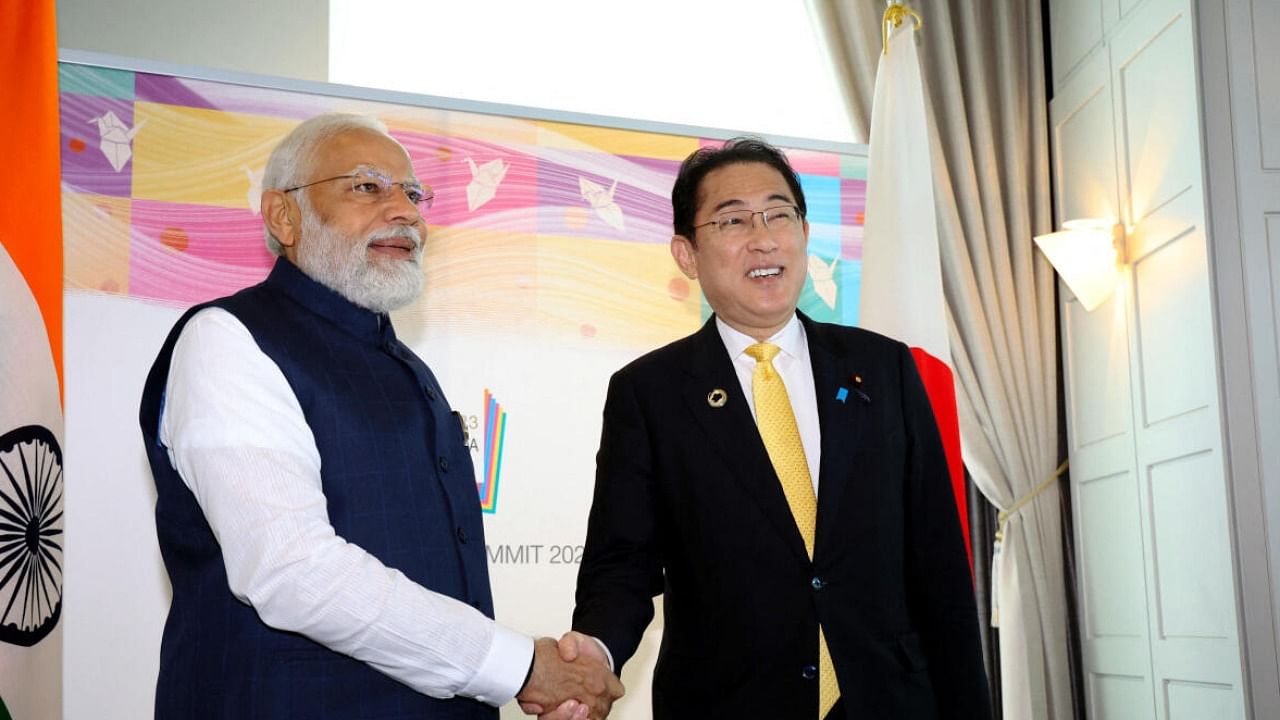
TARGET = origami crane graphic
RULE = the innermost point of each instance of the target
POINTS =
(824, 282)
(254, 195)
(484, 181)
(601, 201)
(114, 139)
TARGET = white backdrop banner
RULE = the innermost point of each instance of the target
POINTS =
(547, 270)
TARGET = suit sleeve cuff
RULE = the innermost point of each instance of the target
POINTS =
(503, 669)
(608, 656)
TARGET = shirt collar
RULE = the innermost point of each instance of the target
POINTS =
(364, 324)
(790, 339)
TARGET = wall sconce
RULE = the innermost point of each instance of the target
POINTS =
(1087, 254)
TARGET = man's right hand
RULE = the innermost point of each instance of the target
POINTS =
(573, 643)
(556, 678)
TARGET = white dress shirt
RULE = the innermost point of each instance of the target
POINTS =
(793, 365)
(237, 435)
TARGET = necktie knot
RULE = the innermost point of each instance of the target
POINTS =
(763, 352)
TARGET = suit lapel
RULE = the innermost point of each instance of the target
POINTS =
(732, 432)
(843, 422)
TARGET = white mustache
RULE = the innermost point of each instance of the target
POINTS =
(405, 232)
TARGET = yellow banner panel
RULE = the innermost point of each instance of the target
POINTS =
(96, 242)
(206, 157)
(620, 293)
(568, 136)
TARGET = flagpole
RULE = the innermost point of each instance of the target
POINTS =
(894, 14)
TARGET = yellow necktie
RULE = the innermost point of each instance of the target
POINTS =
(777, 425)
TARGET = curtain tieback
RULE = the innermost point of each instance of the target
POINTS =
(997, 548)
(1048, 482)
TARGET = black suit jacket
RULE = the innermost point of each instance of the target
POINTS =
(687, 504)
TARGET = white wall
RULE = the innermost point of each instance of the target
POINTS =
(740, 65)
(1240, 81)
(269, 37)
(1152, 514)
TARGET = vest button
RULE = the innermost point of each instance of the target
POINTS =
(809, 672)
(444, 464)
(462, 536)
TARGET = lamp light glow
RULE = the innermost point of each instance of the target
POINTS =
(1087, 255)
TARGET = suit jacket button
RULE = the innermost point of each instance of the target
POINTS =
(431, 394)
(817, 583)
(444, 464)
(462, 536)
(809, 672)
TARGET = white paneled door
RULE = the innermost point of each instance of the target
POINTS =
(1159, 624)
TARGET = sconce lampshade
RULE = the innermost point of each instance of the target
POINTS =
(1085, 255)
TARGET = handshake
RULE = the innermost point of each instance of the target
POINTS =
(570, 680)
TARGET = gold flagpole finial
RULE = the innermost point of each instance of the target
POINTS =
(893, 17)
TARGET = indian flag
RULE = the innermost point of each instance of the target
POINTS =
(31, 482)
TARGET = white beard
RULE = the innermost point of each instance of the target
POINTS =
(344, 265)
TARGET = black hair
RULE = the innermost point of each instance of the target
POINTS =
(684, 194)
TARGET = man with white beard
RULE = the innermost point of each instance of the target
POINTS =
(316, 503)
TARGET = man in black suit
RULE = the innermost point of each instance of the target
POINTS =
(804, 535)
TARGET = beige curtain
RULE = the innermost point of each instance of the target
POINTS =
(983, 67)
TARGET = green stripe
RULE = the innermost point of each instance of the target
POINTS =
(95, 81)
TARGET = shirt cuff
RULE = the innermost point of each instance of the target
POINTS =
(503, 670)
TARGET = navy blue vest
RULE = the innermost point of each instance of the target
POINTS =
(398, 481)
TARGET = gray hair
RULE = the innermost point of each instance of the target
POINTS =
(293, 158)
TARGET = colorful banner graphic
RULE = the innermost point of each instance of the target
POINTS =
(495, 431)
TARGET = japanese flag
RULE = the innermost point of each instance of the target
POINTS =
(901, 293)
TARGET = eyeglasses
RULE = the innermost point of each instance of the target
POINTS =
(736, 224)
(370, 185)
